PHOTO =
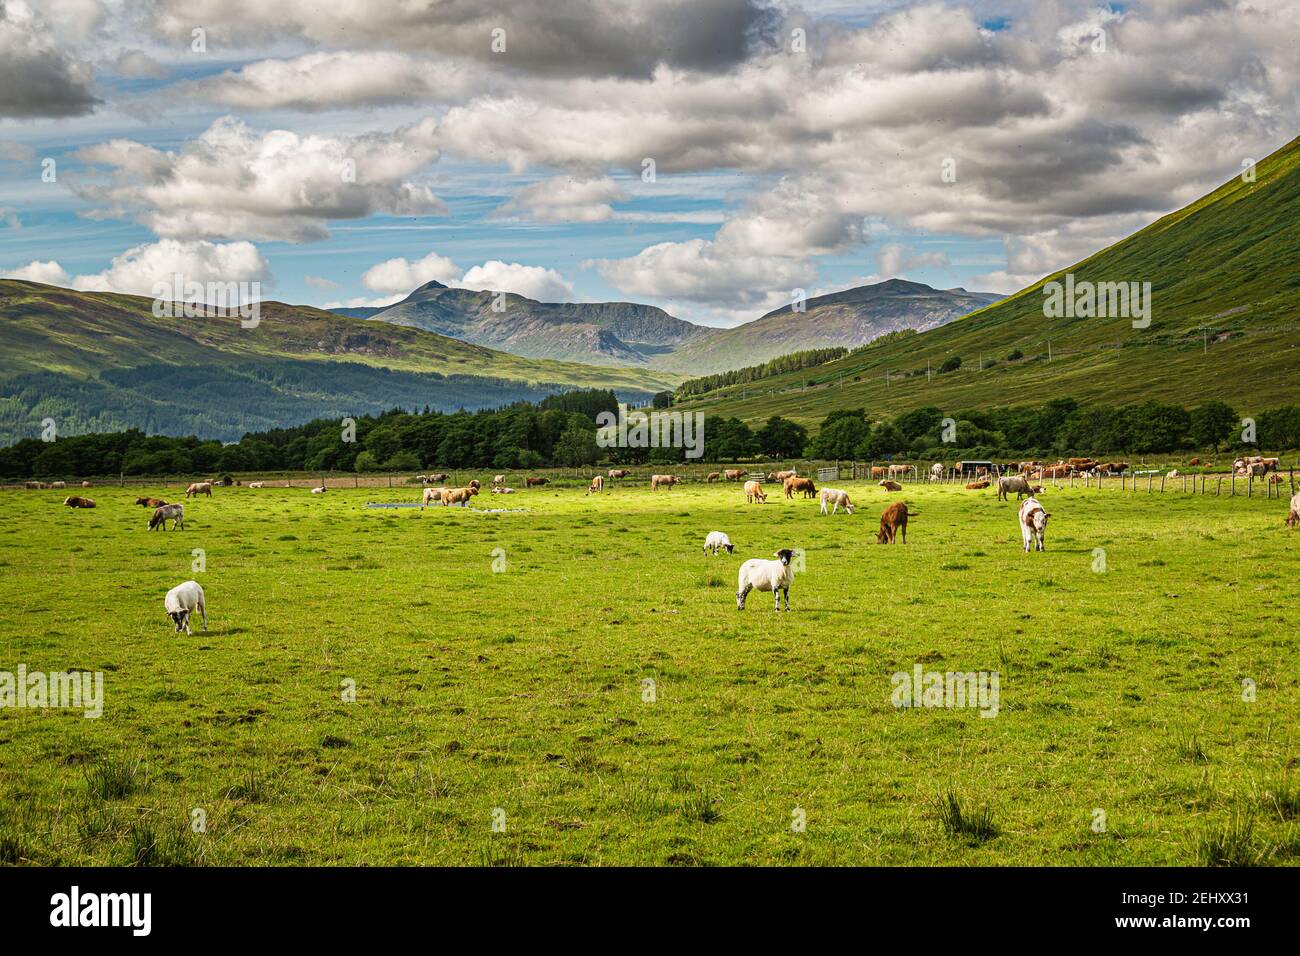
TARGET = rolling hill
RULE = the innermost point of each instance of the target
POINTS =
(848, 318)
(1225, 324)
(104, 362)
(597, 333)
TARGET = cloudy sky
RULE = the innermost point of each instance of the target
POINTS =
(708, 156)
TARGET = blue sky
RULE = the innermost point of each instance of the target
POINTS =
(779, 166)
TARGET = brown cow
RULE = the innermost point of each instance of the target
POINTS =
(150, 502)
(597, 486)
(458, 496)
(781, 475)
(199, 488)
(1193, 461)
(434, 479)
(895, 486)
(1293, 518)
(714, 476)
(619, 473)
(666, 481)
(973, 486)
(534, 482)
(804, 485)
(733, 474)
(76, 501)
(878, 471)
(754, 492)
(892, 521)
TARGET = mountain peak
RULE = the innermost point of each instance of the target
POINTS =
(431, 284)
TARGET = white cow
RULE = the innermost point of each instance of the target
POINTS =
(1033, 524)
(837, 499)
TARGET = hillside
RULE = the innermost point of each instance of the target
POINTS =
(1224, 325)
(848, 318)
(597, 333)
(99, 361)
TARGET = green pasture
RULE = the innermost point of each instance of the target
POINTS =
(571, 683)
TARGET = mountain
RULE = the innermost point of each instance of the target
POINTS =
(104, 362)
(1225, 295)
(849, 318)
(597, 333)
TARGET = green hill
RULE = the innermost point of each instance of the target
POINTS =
(1225, 324)
(104, 362)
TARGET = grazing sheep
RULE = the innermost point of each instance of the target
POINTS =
(765, 575)
(431, 494)
(666, 481)
(318, 491)
(597, 485)
(972, 485)
(76, 501)
(199, 488)
(1017, 483)
(893, 520)
(1293, 517)
(837, 499)
(619, 473)
(754, 492)
(182, 601)
(718, 541)
(150, 502)
(895, 486)
(163, 513)
(534, 482)
(1033, 524)
(58, 484)
(733, 474)
(804, 485)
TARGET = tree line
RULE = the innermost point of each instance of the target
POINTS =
(561, 431)
(791, 362)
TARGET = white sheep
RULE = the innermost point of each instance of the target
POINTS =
(837, 499)
(318, 491)
(775, 576)
(718, 541)
(183, 600)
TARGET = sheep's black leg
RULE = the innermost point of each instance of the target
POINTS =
(740, 597)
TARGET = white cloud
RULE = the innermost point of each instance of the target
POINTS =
(138, 64)
(399, 275)
(706, 272)
(532, 282)
(320, 282)
(896, 260)
(339, 80)
(277, 185)
(48, 272)
(565, 199)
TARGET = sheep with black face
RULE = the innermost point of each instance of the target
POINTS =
(766, 575)
(181, 601)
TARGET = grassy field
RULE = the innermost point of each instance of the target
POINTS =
(518, 695)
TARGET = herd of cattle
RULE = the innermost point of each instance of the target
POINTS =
(775, 575)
